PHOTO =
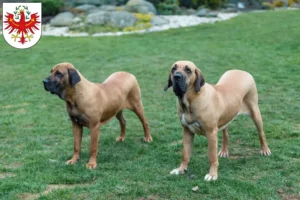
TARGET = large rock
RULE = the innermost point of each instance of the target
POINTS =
(116, 18)
(107, 8)
(140, 6)
(202, 12)
(122, 19)
(85, 7)
(158, 21)
(62, 19)
(100, 17)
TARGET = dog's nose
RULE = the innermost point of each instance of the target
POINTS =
(45, 81)
(177, 76)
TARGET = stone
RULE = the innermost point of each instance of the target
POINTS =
(62, 19)
(76, 20)
(100, 18)
(85, 7)
(229, 10)
(93, 2)
(213, 14)
(203, 12)
(94, 10)
(190, 11)
(140, 6)
(107, 8)
(296, 5)
(158, 21)
(122, 19)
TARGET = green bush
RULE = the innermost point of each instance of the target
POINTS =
(169, 7)
(121, 2)
(155, 3)
(50, 7)
(214, 3)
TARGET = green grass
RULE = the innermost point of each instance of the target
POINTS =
(36, 137)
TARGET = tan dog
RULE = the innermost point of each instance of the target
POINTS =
(92, 104)
(205, 109)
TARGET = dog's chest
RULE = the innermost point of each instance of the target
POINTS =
(77, 116)
(193, 125)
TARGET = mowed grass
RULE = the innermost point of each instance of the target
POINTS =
(36, 137)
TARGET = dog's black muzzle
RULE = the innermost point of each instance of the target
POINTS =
(51, 86)
(179, 85)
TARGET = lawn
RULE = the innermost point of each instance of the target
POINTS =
(36, 137)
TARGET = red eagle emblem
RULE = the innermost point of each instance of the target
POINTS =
(25, 26)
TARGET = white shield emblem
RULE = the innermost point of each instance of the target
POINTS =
(22, 24)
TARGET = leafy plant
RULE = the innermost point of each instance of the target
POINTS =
(278, 3)
(50, 7)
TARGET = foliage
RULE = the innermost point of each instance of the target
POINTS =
(50, 7)
(143, 17)
(36, 134)
(169, 7)
(155, 2)
(267, 6)
(121, 2)
(291, 2)
(278, 3)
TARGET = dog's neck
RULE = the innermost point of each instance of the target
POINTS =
(191, 95)
(78, 91)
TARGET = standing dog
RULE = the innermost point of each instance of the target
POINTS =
(93, 104)
(205, 109)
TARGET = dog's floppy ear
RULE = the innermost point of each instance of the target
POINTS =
(73, 77)
(199, 82)
(169, 83)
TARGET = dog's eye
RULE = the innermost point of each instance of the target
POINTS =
(173, 69)
(59, 74)
(188, 70)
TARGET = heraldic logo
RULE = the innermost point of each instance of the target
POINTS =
(22, 27)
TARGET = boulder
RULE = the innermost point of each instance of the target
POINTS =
(100, 17)
(122, 19)
(107, 8)
(140, 6)
(76, 20)
(213, 14)
(93, 2)
(62, 19)
(158, 21)
(202, 12)
(85, 7)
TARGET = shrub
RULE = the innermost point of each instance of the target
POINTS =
(169, 7)
(267, 6)
(291, 2)
(121, 2)
(155, 3)
(278, 3)
(143, 17)
(50, 7)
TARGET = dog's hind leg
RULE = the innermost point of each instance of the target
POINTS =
(122, 121)
(256, 117)
(224, 149)
(138, 109)
(251, 103)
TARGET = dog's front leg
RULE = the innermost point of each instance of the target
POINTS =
(212, 139)
(93, 146)
(188, 138)
(77, 132)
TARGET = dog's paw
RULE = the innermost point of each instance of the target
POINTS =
(209, 177)
(177, 171)
(120, 139)
(91, 165)
(148, 139)
(265, 151)
(223, 153)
